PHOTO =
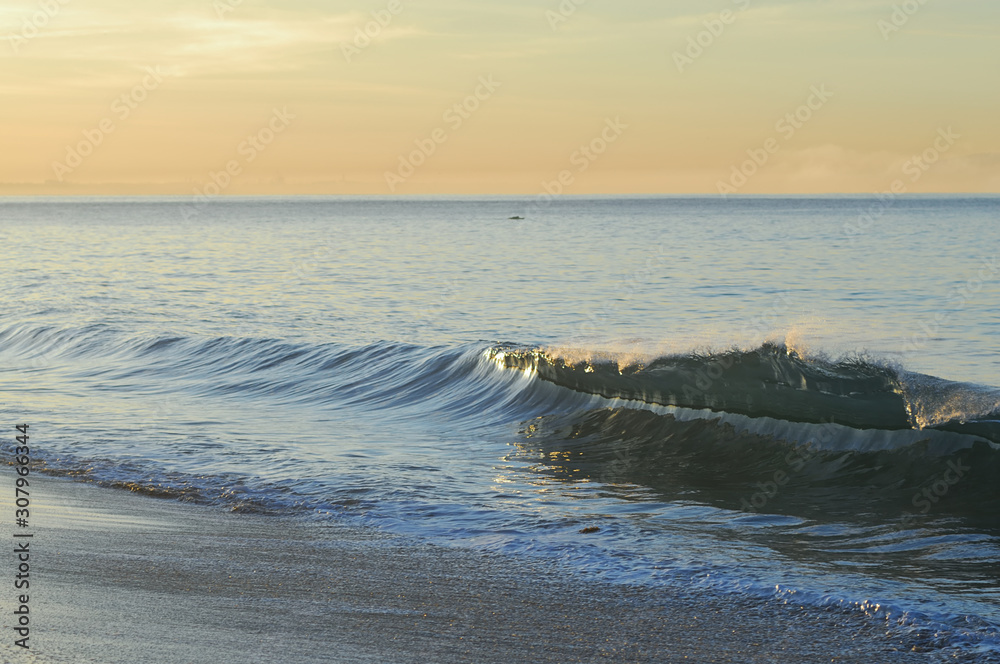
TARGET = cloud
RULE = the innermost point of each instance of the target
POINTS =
(833, 168)
(196, 42)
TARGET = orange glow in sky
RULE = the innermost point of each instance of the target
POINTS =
(442, 96)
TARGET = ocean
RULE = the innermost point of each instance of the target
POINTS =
(780, 399)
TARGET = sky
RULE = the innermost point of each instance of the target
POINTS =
(406, 97)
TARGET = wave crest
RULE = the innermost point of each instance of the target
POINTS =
(777, 382)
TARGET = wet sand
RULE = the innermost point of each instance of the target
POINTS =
(119, 577)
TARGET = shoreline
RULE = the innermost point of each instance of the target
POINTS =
(120, 577)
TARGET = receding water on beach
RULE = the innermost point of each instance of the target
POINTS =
(782, 399)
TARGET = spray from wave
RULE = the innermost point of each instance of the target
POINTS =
(778, 382)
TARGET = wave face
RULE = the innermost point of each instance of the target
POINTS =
(774, 381)
(773, 469)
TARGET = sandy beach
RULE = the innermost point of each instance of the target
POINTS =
(120, 577)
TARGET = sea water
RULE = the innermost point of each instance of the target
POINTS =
(791, 399)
